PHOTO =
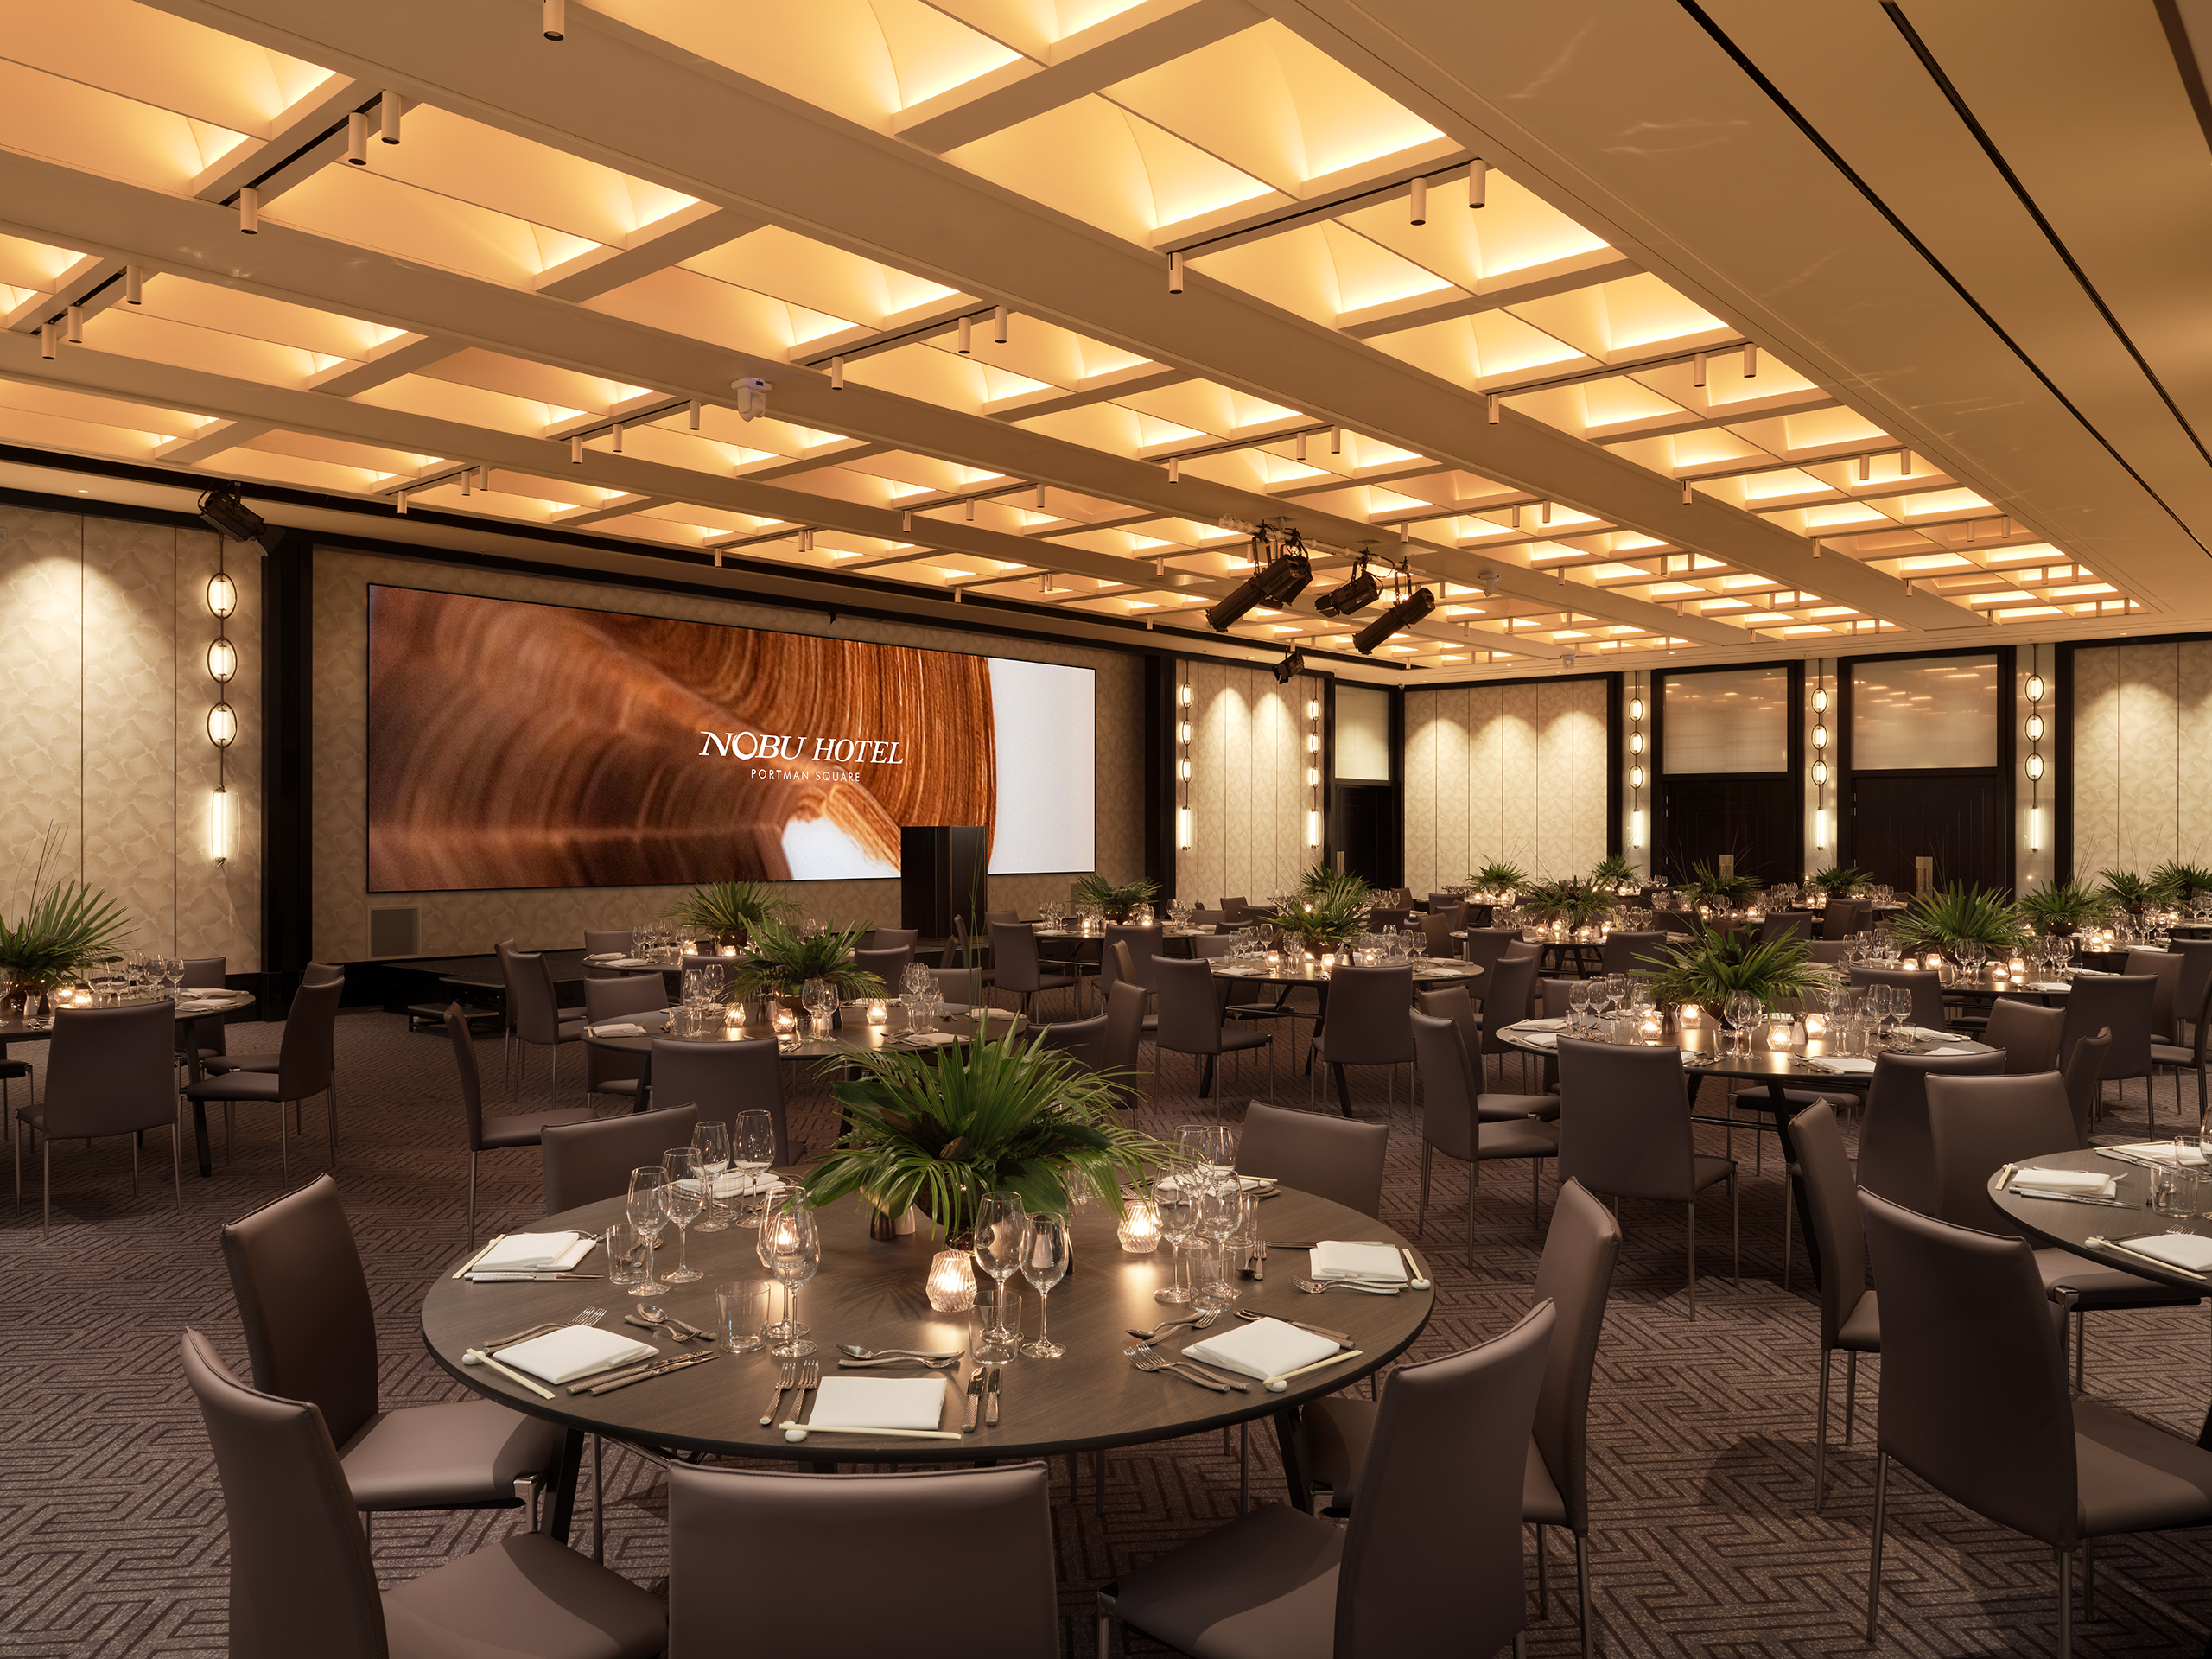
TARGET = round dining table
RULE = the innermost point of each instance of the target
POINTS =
(869, 1293)
(1434, 971)
(853, 1035)
(205, 1005)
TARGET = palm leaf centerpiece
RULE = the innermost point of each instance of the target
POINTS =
(732, 910)
(65, 928)
(1114, 899)
(1326, 921)
(1953, 916)
(1577, 904)
(782, 959)
(985, 1117)
(1717, 962)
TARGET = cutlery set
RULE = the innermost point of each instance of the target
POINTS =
(983, 1396)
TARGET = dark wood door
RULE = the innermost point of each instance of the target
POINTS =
(1364, 826)
(1963, 820)
(1750, 815)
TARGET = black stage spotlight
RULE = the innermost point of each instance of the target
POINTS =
(1403, 615)
(1293, 664)
(1353, 597)
(1276, 582)
(226, 515)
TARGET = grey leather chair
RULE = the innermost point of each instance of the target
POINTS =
(723, 1079)
(1083, 1041)
(302, 1582)
(1118, 966)
(1015, 967)
(311, 1335)
(1450, 1125)
(1437, 928)
(1925, 984)
(2165, 967)
(2085, 1071)
(1457, 1004)
(1440, 1505)
(1624, 1131)
(1140, 944)
(1339, 1161)
(587, 1162)
(1125, 1027)
(1366, 1024)
(1851, 1318)
(2027, 1033)
(2195, 983)
(894, 938)
(919, 1530)
(962, 952)
(540, 1021)
(1965, 1325)
(1634, 953)
(1234, 908)
(1894, 1159)
(1838, 920)
(1795, 925)
(609, 1070)
(597, 942)
(108, 1071)
(205, 1037)
(1978, 1125)
(306, 1065)
(2177, 1057)
(520, 1129)
(2122, 1003)
(1484, 945)
(962, 988)
(1573, 1275)
(1191, 1022)
(888, 965)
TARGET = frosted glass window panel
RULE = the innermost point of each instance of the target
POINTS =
(1362, 734)
(1917, 713)
(1736, 720)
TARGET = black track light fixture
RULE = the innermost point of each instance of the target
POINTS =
(223, 513)
(1403, 615)
(1355, 596)
(1280, 578)
(1293, 664)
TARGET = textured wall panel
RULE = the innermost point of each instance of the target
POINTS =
(1512, 771)
(1248, 785)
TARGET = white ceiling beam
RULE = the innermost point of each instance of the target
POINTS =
(74, 287)
(906, 327)
(273, 165)
(209, 441)
(621, 507)
(403, 355)
(684, 234)
(1577, 270)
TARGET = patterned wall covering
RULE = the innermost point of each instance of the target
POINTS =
(2142, 756)
(1247, 784)
(555, 918)
(1514, 771)
(104, 631)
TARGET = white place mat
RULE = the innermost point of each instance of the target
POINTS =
(572, 1352)
(1263, 1349)
(532, 1251)
(1334, 1259)
(878, 1402)
(2189, 1250)
(2074, 1183)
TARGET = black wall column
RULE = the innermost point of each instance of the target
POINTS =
(288, 745)
(1159, 715)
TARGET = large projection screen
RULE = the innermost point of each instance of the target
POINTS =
(519, 745)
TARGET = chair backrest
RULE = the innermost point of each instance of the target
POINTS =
(1573, 1275)
(2165, 967)
(1839, 920)
(1082, 1040)
(530, 992)
(917, 1531)
(111, 1071)
(1013, 956)
(1894, 1158)
(1190, 1006)
(1124, 1026)
(1676, 921)
(1209, 918)
(1831, 1215)
(323, 973)
(722, 1079)
(958, 949)
(991, 916)
(1506, 989)
(1234, 908)
(1440, 1503)
(1394, 916)
(1486, 944)
(1925, 984)
(1631, 953)
(471, 1084)
(1140, 945)
(1204, 947)
(2027, 1033)
(888, 965)
(1553, 998)
(1443, 901)
(1787, 924)
(1333, 1158)
(307, 1054)
(586, 1162)
(304, 1299)
(961, 987)
(301, 1578)
(1457, 1004)
(1437, 928)
(207, 974)
(1118, 966)
(1974, 1387)
(2193, 995)
(611, 998)
(894, 939)
(2122, 1003)
(1447, 1096)
(2085, 1071)
(597, 942)
(1978, 1125)
(1829, 953)
(1625, 1121)
(1367, 1008)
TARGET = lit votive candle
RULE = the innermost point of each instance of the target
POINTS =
(1934, 961)
(1816, 1027)
(1777, 1036)
(1275, 960)
(1691, 1016)
(729, 949)
(1139, 1230)
(878, 1013)
(1653, 1027)
(952, 1282)
(2016, 967)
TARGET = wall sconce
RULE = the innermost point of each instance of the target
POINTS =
(1819, 737)
(222, 600)
(2034, 764)
(1820, 699)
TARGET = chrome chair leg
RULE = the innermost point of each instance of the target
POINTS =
(2088, 1579)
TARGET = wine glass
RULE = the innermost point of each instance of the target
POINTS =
(753, 1149)
(1179, 1219)
(1046, 1252)
(1577, 1002)
(646, 1214)
(1221, 1217)
(683, 1195)
(1616, 991)
(791, 1246)
(1741, 1009)
(998, 1238)
(712, 1139)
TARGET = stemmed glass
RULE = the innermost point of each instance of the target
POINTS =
(683, 1195)
(820, 998)
(1616, 991)
(1179, 1221)
(751, 1149)
(1047, 1251)
(998, 1247)
(790, 1248)
(1221, 1217)
(712, 1139)
(1578, 997)
(647, 1215)
(1742, 1008)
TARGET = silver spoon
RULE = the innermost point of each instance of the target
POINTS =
(1146, 1350)
(1315, 1287)
(649, 1314)
(950, 1364)
(1197, 1321)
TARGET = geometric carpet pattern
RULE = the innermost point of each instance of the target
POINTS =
(112, 1534)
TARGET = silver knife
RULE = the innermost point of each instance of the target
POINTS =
(621, 1376)
(664, 1367)
(991, 1416)
(1336, 1336)
(975, 1401)
(1227, 1380)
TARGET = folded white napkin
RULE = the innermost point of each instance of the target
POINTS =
(2048, 985)
(736, 1183)
(2163, 1152)
(604, 956)
(619, 1028)
(574, 1350)
(1848, 1065)
(2074, 1183)
(1263, 1349)
(926, 1040)
(1538, 1038)
(878, 1402)
(631, 962)
(2189, 1250)
(1542, 1025)
(1244, 1183)
(1962, 1048)
(1334, 1259)
(532, 1251)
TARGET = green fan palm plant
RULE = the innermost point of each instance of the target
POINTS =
(2126, 891)
(1717, 962)
(981, 1117)
(65, 926)
(1706, 886)
(1576, 903)
(1838, 880)
(1950, 916)
(1611, 873)
(1325, 921)
(1499, 876)
(2063, 907)
(1324, 880)
(732, 910)
(2182, 884)
(782, 959)
(1116, 898)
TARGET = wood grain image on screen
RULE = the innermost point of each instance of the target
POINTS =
(517, 745)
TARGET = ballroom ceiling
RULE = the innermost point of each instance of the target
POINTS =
(1630, 329)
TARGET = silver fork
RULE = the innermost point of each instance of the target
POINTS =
(590, 1316)
(1198, 1321)
(810, 1378)
(1185, 1362)
(1146, 1360)
(787, 1380)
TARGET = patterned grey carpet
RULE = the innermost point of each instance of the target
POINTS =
(113, 1523)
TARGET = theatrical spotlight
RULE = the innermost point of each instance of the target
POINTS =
(226, 515)
(1353, 597)
(1293, 664)
(1277, 581)
(1403, 615)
